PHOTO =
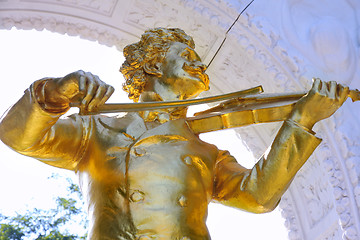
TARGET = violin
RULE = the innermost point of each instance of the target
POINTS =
(241, 108)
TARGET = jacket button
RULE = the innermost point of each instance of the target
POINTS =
(183, 201)
(188, 160)
(137, 196)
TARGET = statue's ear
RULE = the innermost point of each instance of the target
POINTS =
(153, 69)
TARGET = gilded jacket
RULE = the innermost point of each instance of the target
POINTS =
(152, 183)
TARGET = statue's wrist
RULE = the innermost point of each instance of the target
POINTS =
(302, 119)
(49, 99)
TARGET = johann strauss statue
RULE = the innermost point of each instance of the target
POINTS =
(147, 175)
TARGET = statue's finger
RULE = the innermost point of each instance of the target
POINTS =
(323, 88)
(344, 92)
(332, 85)
(91, 89)
(316, 85)
(107, 95)
(82, 83)
(99, 94)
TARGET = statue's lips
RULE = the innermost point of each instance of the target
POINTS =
(198, 73)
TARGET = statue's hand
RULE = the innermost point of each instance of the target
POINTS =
(321, 102)
(79, 86)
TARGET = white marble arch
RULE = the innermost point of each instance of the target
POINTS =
(279, 44)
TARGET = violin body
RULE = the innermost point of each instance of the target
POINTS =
(262, 108)
(240, 116)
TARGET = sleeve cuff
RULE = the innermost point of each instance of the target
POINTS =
(37, 90)
(292, 122)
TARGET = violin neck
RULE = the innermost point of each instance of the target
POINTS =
(254, 101)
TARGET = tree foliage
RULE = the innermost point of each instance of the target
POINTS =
(8, 231)
(46, 224)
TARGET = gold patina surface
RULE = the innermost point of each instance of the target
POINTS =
(147, 175)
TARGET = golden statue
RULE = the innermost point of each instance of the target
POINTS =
(147, 175)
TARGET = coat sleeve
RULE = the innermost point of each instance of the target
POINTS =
(32, 131)
(259, 189)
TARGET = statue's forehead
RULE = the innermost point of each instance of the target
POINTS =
(180, 47)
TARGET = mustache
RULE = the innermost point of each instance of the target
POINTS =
(194, 68)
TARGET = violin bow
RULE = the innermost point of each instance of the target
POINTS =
(242, 98)
(143, 106)
(265, 100)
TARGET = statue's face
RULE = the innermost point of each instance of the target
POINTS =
(183, 73)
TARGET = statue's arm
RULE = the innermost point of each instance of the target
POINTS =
(259, 189)
(33, 126)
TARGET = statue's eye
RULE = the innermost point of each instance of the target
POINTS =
(186, 55)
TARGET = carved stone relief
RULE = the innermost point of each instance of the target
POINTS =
(317, 191)
(341, 148)
(324, 35)
(279, 54)
(105, 7)
(87, 31)
(289, 212)
(145, 14)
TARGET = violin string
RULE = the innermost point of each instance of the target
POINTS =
(226, 33)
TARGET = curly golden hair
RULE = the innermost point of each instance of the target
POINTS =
(151, 49)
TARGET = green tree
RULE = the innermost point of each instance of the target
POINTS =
(41, 224)
(8, 231)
